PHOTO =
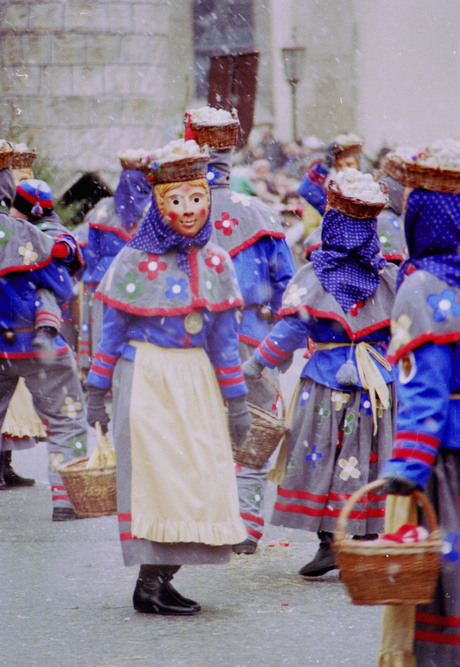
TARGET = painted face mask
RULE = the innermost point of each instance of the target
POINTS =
(185, 206)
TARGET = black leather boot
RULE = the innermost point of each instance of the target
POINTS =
(10, 477)
(324, 559)
(154, 594)
(3, 484)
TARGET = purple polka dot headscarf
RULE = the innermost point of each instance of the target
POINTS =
(349, 260)
(432, 228)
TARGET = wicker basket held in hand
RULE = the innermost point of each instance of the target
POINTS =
(93, 489)
(264, 435)
(217, 136)
(386, 572)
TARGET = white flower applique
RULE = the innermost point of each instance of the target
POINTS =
(293, 296)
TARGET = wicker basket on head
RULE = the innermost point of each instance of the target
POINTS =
(175, 171)
(217, 136)
(414, 175)
(6, 154)
(23, 159)
(134, 163)
(387, 572)
(264, 435)
(348, 149)
(354, 208)
(92, 491)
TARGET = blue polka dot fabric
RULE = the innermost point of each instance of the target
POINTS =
(432, 228)
(349, 262)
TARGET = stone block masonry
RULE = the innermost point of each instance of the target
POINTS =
(80, 80)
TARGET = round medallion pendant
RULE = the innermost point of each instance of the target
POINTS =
(193, 323)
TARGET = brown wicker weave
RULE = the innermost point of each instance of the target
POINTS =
(349, 149)
(134, 163)
(414, 175)
(92, 491)
(354, 208)
(23, 159)
(386, 572)
(217, 136)
(176, 171)
(264, 435)
(6, 156)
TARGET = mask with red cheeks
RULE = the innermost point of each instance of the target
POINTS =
(184, 206)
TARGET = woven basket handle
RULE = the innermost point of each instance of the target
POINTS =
(340, 533)
(100, 442)
(278, 391)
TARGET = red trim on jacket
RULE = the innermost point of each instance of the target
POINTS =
(125, 235)
(427, 337)
(338, 318)
(249, 242)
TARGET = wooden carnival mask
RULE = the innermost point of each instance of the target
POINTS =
(184, 205)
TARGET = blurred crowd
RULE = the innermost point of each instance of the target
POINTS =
(273, 170)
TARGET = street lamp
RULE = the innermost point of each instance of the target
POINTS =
(293, 60)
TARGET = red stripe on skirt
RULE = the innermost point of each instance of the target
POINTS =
(437, 637)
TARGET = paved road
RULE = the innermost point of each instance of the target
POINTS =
(66, 598)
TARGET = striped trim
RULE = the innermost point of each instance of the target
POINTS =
(412, 445)
(254, 533)
(56, 495)
(252, 517)
(437, 638)
(410, 453)
(434, 619)
(101, 370)
(330, 512)
(417, 436)
(229, 370)
(106, 358)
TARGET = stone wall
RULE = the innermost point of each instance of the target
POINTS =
(81, 80)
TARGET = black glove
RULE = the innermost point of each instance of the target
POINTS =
(397, 485)
(286, 364)
(252, 369)
(96, 411)
(239, 420)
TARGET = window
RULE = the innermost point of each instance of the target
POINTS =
(219, 27)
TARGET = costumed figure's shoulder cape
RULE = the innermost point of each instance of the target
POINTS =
(23, 247)
(306, 296)
(391, 236)
(312, 242)
(426, 310)
(148, 284)
(53, 227)
(105, 217)
(239, 221)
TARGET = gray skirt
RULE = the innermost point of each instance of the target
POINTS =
(332, 452)
(137, 551)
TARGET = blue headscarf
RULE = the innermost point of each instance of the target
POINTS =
(131, 196)
(432, 228)
(349, 260)
(156, 236)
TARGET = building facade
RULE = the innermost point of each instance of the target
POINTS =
(81, 81)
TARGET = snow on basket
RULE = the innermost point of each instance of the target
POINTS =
(216, 128)
(435, 167)
(356, 194)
